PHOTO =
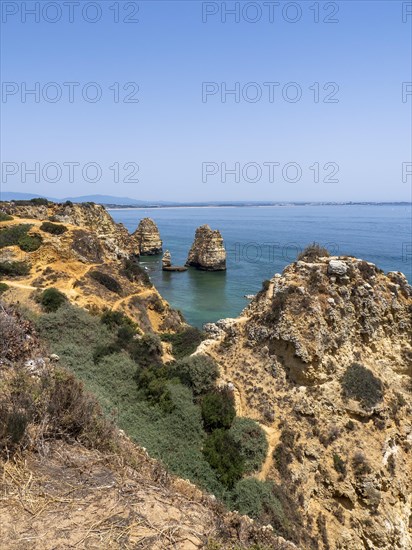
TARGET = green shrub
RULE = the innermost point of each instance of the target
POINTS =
(115, 319)
(257, 499)
(312, 253)
(251, 441)
(153, 381)
(223, 455)
(184, 343)
(53, 228)
(3, 287)
(5, 217)
(17, 235)
(361, 384)
(30, 243)
(14, 269)
(40, 201)
(271, 504)
(51, 299)
(218, 409)
(107, 281)
(146, 350)
(173, 434)
(10, 236)
(339, 464)
(198, 372)
(135, 273)
(265, 285)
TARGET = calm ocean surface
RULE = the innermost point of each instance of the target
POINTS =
(260, 241)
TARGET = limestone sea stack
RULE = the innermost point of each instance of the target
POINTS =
(167, 263)
(166, 260)
(147, 238)
(207, 252)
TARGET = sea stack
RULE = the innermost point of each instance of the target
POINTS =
(207, 252)
(166, 260)
(147, 238)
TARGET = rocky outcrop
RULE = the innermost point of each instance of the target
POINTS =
(207, 252)
(167, 263)
(90, 216)
(322, 357)
(147, 238)
(93, 262)
(166, 260)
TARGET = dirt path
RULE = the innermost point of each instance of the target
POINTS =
(18, 285)
(272, 435)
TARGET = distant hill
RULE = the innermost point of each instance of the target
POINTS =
(111, 200)
(98, 199)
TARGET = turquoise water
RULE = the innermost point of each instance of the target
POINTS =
(260, 241)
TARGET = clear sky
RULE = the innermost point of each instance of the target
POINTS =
(182, 134)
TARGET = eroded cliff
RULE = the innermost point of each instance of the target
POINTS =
(322, 358)
(83, 253)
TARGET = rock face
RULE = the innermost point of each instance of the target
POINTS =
(93, 262)
(147, 238)
(322, 357)
(208, 252)
(90, 216)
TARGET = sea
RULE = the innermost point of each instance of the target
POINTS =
(260, 241)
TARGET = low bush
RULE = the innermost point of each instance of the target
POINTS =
(53, 228)
(30, 243)
(222, 453)
(146, 350)
(40, 201)
(339, 464)
(360, 464)
(135, 273)
(361, 384)
(312, 253)
(198, 372)
(3, 287)
(5, 217)
(14, 269)
(17, 235)
(107, 281)
(51, 299)
(185, 342)
(218, 409)
(56, 396)
(115, 319)
(257, 499)
(251, 441)
(154, 383)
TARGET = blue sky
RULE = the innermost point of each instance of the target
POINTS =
(170, 133)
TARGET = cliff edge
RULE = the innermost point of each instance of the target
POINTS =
(322, 358)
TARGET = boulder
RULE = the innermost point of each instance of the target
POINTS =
(207, 252)
(337, 267)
